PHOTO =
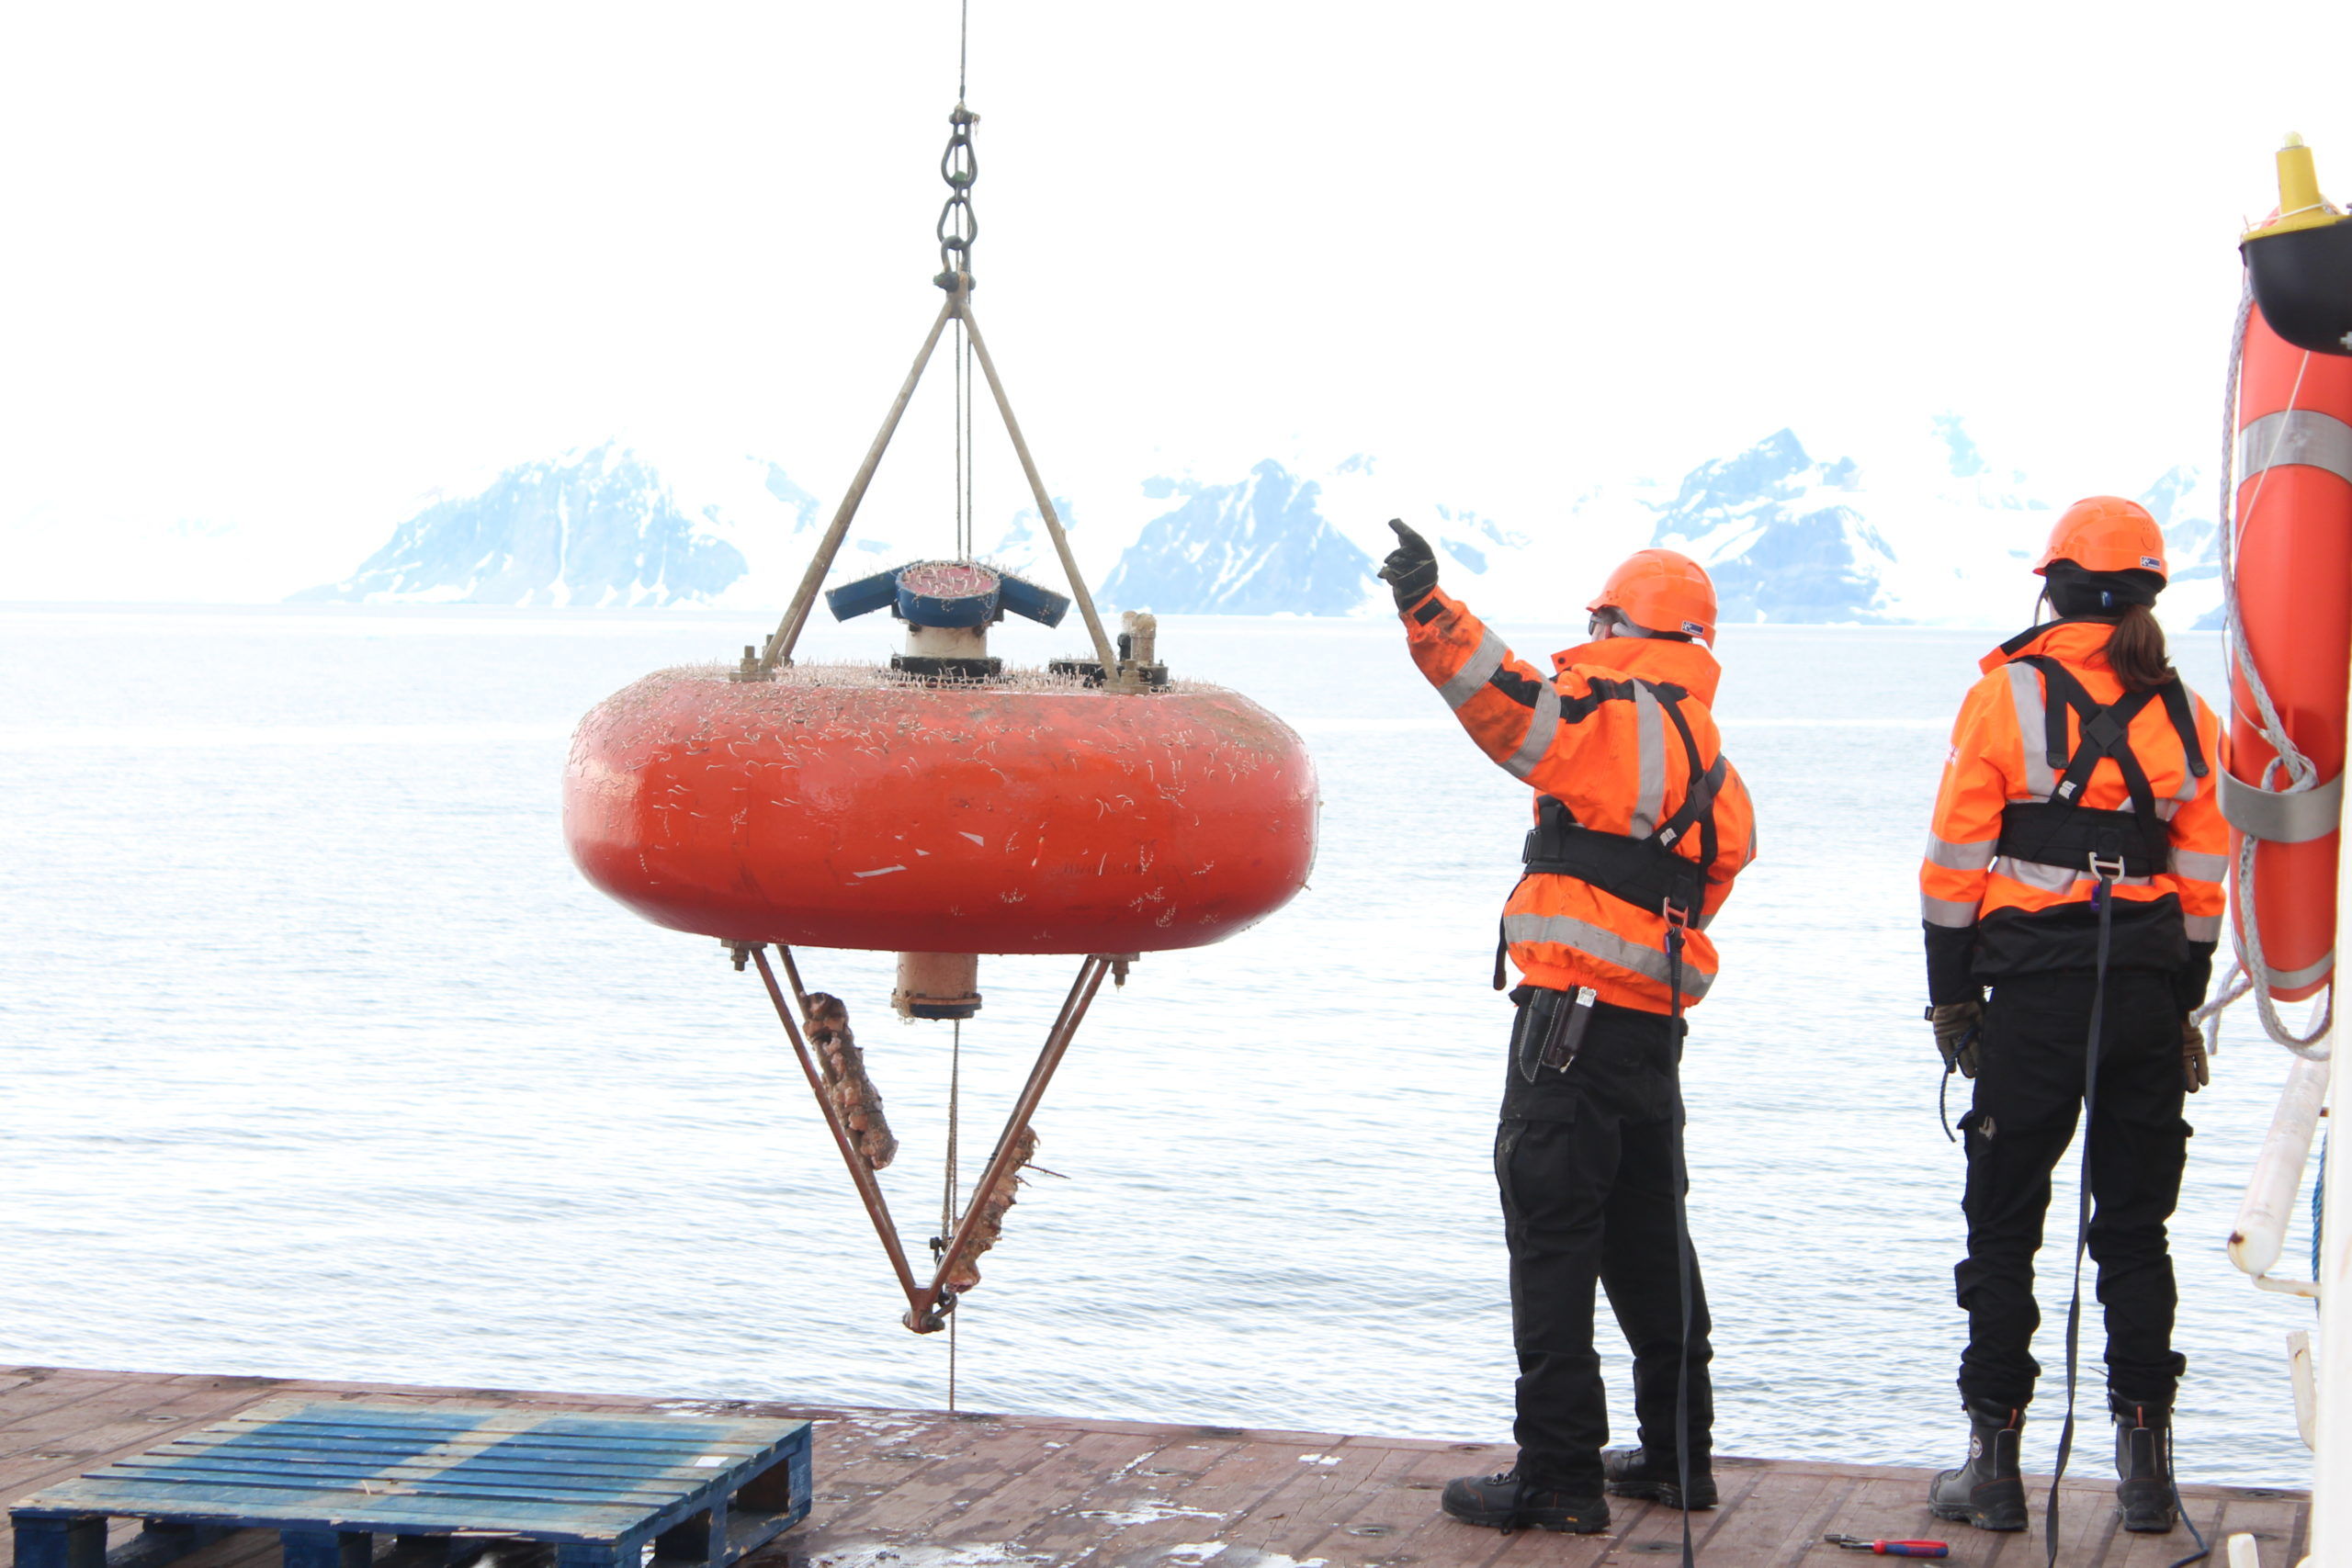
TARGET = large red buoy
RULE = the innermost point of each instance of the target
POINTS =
(840, 807)
(941, 807)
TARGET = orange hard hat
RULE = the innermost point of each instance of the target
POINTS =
(2106, 533)
(1661, 590)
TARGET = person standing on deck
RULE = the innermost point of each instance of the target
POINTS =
(2075, 867)
(1641, 825)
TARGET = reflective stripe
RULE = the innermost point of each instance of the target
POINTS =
(1959, 857)
(1540, 731)
(1649, 734)
(2168, 809)
(2306, 437)
(2034, 875)
(2054, 878)
(2025, 690)
(2281, 979)
(2208, 928)
(1605, 945)
(1945, 912)
(1473, 675)
(2203, 867)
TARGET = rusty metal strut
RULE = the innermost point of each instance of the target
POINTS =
(928, 1306)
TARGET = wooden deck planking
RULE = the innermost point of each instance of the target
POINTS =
(977, 1490)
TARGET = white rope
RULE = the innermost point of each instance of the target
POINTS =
(2251, 976)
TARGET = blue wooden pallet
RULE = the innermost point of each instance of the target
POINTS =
(331, 1476)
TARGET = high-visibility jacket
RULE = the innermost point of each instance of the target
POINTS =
(1993, 911)
(1599, 736)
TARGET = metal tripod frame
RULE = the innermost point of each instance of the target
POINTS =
(958, 308)
(928, 1305)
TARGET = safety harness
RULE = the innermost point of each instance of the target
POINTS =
(2062, 831)
(1641, 869)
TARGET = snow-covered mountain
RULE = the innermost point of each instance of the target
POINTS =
(1931, 531)
(601, 526)
(1778, 532)
(1927, 531)
(1258, 547)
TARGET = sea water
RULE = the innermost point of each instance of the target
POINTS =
(319, 1059)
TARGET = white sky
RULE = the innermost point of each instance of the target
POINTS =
(273, 272)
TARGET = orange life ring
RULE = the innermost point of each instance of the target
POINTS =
(2294, 586)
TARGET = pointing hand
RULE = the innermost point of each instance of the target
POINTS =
(1411, 570)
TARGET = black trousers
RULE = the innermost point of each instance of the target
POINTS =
(1586, 1160)
(2028, 1097)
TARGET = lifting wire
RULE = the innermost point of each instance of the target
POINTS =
(957, 219)
(947, 1196)
(2251, 974)
(931, 1306)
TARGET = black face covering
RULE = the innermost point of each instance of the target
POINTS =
(2073, 591)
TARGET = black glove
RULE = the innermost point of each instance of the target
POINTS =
(1957, 1026)
(1411, 570)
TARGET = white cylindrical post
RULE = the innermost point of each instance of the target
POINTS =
(2276, 1188)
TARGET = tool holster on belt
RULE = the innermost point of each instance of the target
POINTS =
(1549, 1029)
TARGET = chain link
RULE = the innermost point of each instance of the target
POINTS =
(960, 167)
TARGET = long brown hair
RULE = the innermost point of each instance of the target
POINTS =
(2135, 651)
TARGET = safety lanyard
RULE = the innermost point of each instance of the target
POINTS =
(1674, 929)
(2106, 871)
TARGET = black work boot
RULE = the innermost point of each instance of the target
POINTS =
(1630, 1473)
(1987, 1492)
(1503, 1501)
(2143, 1493)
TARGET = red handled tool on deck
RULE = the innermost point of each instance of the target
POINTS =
(1892, 1547)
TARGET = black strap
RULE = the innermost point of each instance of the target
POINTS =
(2049, 832)
(1699, 795)
(2104, 896)
(2105, 735)
(2184, 724)
(1645, 872)
(1674, 929)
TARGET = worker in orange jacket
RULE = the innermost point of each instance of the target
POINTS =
(1640, 826)
(2075, 866)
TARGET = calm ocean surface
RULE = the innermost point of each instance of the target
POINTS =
(318, 1059)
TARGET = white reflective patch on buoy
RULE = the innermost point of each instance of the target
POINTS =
(884, 871)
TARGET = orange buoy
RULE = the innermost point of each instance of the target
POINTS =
(849, 806)
(941, 808)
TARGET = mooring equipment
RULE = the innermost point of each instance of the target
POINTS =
(944, 806)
